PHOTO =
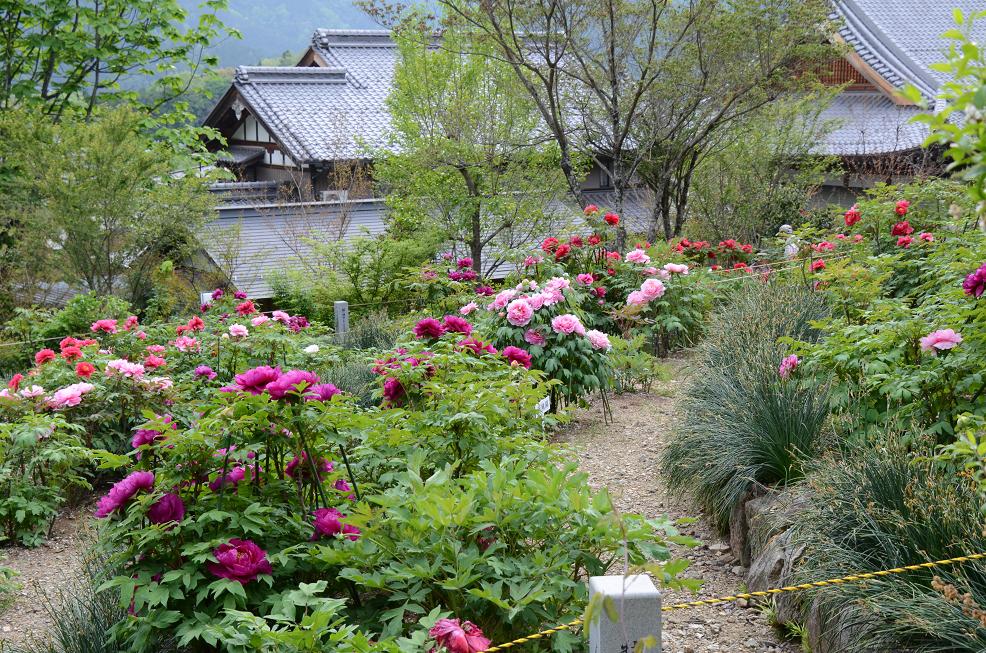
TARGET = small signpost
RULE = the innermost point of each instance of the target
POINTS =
(637, 605)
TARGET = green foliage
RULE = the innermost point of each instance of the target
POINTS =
(634, 370)
(961, 124)
(42, 460)
(744, 425)
(877, 508)
(94, 205)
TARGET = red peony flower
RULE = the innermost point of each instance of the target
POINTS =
(549, 245)
(71, 353)
(246, 308)
(902, 229)
(562, 252)
(576, 241)
(595, 239)
(612, 219)
(852, 216)
(85, 370)
(904, 241)
(818, 265)
(591, 209)
(15, 381)
(901, 207)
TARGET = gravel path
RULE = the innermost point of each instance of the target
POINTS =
(43, 571)
(624, 457)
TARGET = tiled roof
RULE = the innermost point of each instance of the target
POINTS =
(323, 114)
(900, 39)
(870, 124)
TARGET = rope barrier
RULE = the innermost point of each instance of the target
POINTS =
(852, 578)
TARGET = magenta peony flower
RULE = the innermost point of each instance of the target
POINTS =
(455, 324)
(218, 293)
(233, 477)
(148, 436)
(239, 294)
(291, 382)
(788, 365)
(476, 346)
(519, 312)
(167, 509)
(123, 491)
(568, 324)
(321, 392)
(428, 328)
(455, 638)
(206, 371)
(486, 291)
(299, 467)
(328, 522)
(393, 391)
(464, 263)
(975, 282)
(534, 337)
(517, 356)
(257, 379)
(940, 340)
(598, 340)
(240, 560)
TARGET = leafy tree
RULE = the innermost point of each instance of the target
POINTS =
(467, 155)
(94, 205)
(65, 57)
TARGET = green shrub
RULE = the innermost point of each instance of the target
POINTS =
(877, 508)
(743, 424)
(633, 368)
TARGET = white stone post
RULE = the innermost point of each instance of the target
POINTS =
(342, 321)
(637, 603)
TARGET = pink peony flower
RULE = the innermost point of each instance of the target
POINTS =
(260, 319)
(328, 522)
(591, 209)
(218, 293)
(428, 329)
(585, 279)
(900, 208)
(676, 268)
(502, 298)
(636, 298)
(205, 371)
(153, 362)
(456, 638)
(70, 395)
(105, 325)
(532, 261)
(788, 365)
(652, 289)
(818, 265)
(155, 349)
(291, 382)
(598, 340)
(904, 241)
(517, 356)
(186, 344)
(455, 324)
(534, 337)
(940, 340)
(15, 381)
(464, 263)
(519, 312)
(927, 237)
(123, 367)
(257, 379)
(240, 560)
(122, 492)
(468, 308)
(567, 323)
(169, 509)
(637, 256)
(33, 391)
(238, 331)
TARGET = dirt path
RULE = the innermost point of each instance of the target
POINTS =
(43, 571)
(625, 458)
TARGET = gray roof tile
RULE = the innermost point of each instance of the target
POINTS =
(869, 124)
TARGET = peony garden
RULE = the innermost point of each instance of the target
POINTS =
(585, 311)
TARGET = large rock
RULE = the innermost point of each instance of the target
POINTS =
(739, 529)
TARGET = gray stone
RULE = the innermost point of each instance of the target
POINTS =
(638, 605)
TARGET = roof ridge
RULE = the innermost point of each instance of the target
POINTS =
(326, 38)
(288, 74)
(884, 47)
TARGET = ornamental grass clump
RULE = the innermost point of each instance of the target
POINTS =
(877, 508)
(744, 422)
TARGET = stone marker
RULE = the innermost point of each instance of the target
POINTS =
(342, 321)
(638, 604)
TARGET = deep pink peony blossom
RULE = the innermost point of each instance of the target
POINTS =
(591, 209)
(298, 467)
(232, 478)
(239, 294)
(393, 391)
(205, 371)
(940, 340)
(147, 436)
(852, 216)
(486, 291)
(456, 638)
(900, 208)
(465, 262)
(122, 492)
(105, 325)
(44, 356)
(428, 328)
(585, 279)
(218, 293)
(290, 383)
(328, 522)
(167, 509)
(321, 392)
(257, 379)
(476, 346)
(975, 283)
(517, 356)
(904, 241)
(240, 560)
(246, 308)
(455, 324)
(788, 365)
(902, 229)
(519, 312)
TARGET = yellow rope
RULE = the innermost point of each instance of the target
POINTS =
(853, 578)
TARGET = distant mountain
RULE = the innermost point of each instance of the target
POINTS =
(272, 27)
